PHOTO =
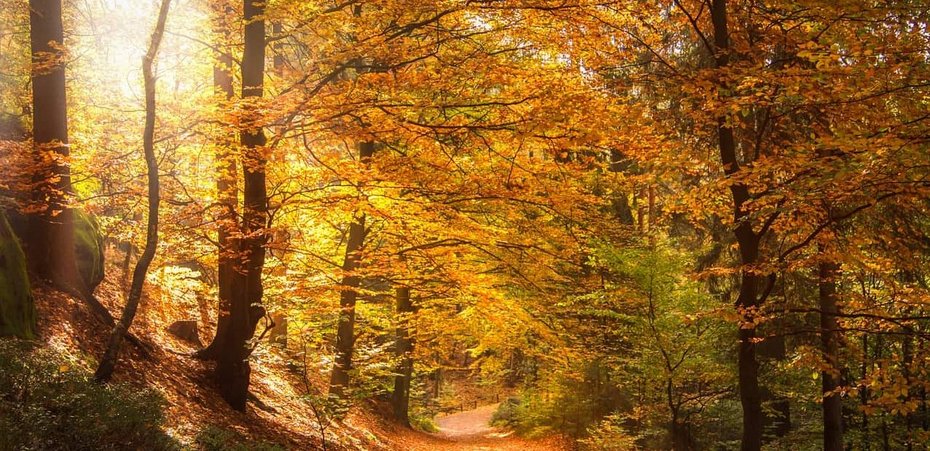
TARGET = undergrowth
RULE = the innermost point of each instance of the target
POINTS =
(48, 402)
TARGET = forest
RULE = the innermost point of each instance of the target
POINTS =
(465, 225)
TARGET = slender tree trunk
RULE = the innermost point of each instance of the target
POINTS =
(878, 358)
(227, 186)
(830, 344)
(403, 348)
(864, 394)
(676, 428)
(50, 241)
(232, 368)
(345, 330)
(748, 241)
(108, 361)
(278, 60)
(907, 357)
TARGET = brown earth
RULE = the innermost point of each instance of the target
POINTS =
(277, 413)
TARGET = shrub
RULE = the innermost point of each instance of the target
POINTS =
(608, 435)
(47, 402)
(423, 423)
(564, 406)
(506, 413)
(215, 438)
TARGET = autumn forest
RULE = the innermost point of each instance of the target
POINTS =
(464, 225)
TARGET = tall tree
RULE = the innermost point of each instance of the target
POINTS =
(749, 298)
(828, 272)
(227, 176)
(110, 356)
(50, 241)
(403, 349)
(245, 310)
(345, 329)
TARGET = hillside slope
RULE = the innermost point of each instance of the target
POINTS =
(277, 413)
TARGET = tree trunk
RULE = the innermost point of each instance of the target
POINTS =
(49, 245)
(864, 395)
(907, 357)
(403, 348)
(829, 339)
(232, 368)
(681, 436)
(748, 299)
(108, 361)
(227, 186)
(277, 61)
(345, 330)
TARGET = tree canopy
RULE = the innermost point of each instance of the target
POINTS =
(645, 224)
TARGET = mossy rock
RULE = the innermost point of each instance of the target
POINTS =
(89, 248)
(17, 308)
(88, 244)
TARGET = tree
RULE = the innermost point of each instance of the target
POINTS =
(245, 309)
(227, 179)
(110, 356)
(750, 296)
(403, 349)
(345, 328)
(49, 245)
(828, 273)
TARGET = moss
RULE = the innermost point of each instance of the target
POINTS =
(89, 247)
(88, 244)
(17, 308)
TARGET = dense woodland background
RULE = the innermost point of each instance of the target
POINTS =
(302, 224)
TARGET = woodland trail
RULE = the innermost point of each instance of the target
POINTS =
(469, 425)
(471, 431)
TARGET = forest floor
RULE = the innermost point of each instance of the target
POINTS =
(472, 431)
(277, 412)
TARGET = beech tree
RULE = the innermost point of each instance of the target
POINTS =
(239, 316)
(345, 329)
(50, 242)
(227, 175)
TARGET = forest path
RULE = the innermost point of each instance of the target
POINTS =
(472, 431)
(470, 424)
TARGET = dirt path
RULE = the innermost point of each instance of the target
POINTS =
(472, 431)
(470, 425)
